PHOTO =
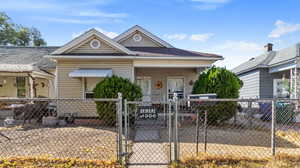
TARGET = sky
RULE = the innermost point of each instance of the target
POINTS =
(235, 29)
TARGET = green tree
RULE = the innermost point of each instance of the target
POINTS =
(13, 34)
(225, 84)
(220, 81)
(37, 37)
(7, 31)
(109, 88)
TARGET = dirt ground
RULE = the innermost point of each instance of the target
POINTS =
(59, 142)
(236, 142)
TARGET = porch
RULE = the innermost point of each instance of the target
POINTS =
(26, 85)
(160, 84)
(286, 82)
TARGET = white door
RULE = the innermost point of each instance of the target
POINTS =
(175, 85)
(145, 84)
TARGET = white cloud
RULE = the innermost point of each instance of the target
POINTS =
(201, 37)
(107, 33)
(207, 7)
(209, 4)
(212, 1)
(236, 52)
(77, 12)
(239, 46)
(103, 14)
(283, 28)
(73, 21)
(179, 36)
(195, 37)
(28, 5)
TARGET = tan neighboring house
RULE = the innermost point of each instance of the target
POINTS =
(26, 73)
(155, 65)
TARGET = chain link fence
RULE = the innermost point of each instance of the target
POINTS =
(60, 128)
(144, 133)
(245, 128)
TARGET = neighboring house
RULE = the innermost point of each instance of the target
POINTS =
(272, 74)
(25, 72)
(138, 55)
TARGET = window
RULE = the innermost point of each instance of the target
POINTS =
(89, 85)
(145, 84)
(21, 86)
(175, 85)
(281, 88)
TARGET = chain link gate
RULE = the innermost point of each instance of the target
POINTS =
(149, 132)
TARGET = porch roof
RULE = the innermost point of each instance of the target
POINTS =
(91, 73)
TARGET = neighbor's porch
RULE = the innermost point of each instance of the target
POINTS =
(25, 85)
(286, 79)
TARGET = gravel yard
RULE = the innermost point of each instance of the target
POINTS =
(236, 142)
(59, 142)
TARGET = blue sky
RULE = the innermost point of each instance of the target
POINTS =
(236, 29)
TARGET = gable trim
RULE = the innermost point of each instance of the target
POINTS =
(127, 57)
(156, 39)
(87, 35)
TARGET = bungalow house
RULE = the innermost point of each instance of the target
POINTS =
(274, 74)
(73, 70)
(159, 68)
(26, 73)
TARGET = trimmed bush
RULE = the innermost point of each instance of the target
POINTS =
(109, 88)
(226, 85)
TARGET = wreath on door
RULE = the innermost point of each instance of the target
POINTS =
(158, 85)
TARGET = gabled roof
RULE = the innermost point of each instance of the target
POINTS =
(269, 59)
(145, 32)
(88, 34)
(170, 52)
(11, 55)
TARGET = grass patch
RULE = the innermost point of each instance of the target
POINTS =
(210, 161)
(37, 162)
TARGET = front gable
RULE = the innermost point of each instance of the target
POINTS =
(139, 37)
(145, 41)
(92, 42)
(86, 48)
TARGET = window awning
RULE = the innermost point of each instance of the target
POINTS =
(91, 73)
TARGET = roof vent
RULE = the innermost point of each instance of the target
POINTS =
(251, 59)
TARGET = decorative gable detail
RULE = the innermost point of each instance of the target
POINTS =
(139, 37)
(83, 44)
(93, 45)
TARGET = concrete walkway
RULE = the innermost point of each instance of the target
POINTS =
(148, 152)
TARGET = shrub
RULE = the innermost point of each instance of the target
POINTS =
(109, 88)
(226, 85)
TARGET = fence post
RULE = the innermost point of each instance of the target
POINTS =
(170, 128)
(205, 131)
(250, 112)
(126, 127)
(273, 131)
(119, 121)
(176, 147)
(197, 134)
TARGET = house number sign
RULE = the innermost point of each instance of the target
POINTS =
(147, 113)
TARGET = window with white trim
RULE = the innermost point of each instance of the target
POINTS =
(89, 85)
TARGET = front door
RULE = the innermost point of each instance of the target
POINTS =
(175, 85)
(145, 83)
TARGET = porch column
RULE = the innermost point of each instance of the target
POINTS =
(51, 88)
(31, 87)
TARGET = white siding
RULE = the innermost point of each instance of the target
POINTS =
(251, 85)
